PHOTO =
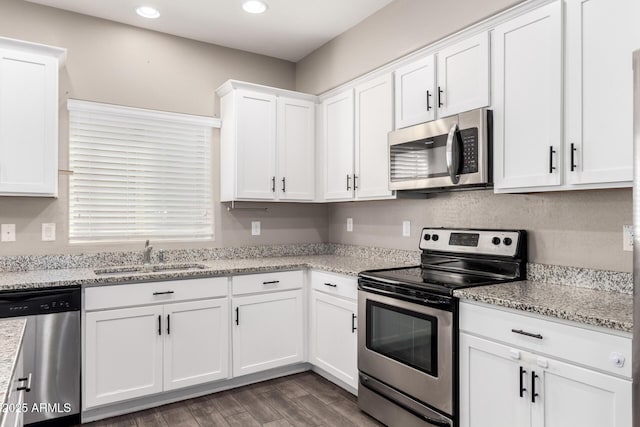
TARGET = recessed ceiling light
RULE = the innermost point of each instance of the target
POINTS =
(148, 12)
(254, 6)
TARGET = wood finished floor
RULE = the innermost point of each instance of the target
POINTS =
(304, 399)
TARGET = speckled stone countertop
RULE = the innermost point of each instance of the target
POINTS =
(613, 310)
(11, 332)
(223, 267)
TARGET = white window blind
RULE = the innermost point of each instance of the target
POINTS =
(138, 174)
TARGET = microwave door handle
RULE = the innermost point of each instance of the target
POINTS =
(453, 153)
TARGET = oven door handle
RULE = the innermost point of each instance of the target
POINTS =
(454, 143)
(430, 301)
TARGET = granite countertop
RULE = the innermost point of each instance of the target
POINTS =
(11, 332)
(611, 310)
(224, 267)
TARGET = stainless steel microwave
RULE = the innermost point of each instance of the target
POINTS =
(450, 152)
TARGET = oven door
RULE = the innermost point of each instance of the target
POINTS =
(407, 346)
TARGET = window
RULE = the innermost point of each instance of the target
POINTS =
(138, 174)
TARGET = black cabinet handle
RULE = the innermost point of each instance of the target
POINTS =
(168, 324)
(333, 285)
(522, 389)
(237, 315)
(353, 323)
(163, 293)
(533, 386)
(159, 325)
(348, 182)
(528, 334)
(428, 103)
(355, 181)
(573, 162)
(273, 184)
(440, 92)
(284, 184)
(26, 387)
(551, 153)
(271, 282)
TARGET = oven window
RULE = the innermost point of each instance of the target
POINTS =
(402, 335)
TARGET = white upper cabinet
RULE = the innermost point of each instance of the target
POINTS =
(600, 36)
(28, 118)
(267, 143)
(415, 92)
(463, 76)
(454, 80)
(338, 132)
(374, 120)
(528, 100)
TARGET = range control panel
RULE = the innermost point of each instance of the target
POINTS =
(478, 242)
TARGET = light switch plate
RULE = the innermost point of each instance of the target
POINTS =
(406, 228)
(349, 225)
(49, 232)
(255, 228)
(8, 232)
(627, 237)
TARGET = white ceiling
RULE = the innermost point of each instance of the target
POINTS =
(289, 29)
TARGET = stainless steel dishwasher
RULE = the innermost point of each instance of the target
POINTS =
(51, 349)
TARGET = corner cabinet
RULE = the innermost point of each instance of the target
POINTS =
(559, 374)
(267, 143)
(333, 311)
(355, 151)
(146, 338)
(29, 118)
(448, 82)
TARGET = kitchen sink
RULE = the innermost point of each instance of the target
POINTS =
(156, 268)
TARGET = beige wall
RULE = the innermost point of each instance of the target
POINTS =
(394, 31)
(578, 228)
(120, 64)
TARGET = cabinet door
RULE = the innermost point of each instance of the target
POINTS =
(28, 124)
(333, 340)
(415, 95)
(600, 38)
(490, 385)
(569, 395)
(123, 354)
(296, 119)
(463, 76)
(527, 100)
(256, 145)
(338, 146)
(374, 120)
(267, 331)
(196, 346)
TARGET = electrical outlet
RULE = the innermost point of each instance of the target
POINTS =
(627, 237)
(349, 225)
(255, 228)
(406, 228)
(49, 232)
(8, 232)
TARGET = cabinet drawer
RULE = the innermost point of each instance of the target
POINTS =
(596, 349)
(116, 296)
(265, 282)
(335, 284)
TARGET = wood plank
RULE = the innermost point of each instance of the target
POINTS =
(255, 405)
(207, 418)
(320, 388)
(243, 420)
(177, 415)
(323, 412)
(226, 405)
(279, 423)
(150, 418)
(291, 410)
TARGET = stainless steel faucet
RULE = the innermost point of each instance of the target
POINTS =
(146, 254)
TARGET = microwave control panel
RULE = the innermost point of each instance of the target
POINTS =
(469, 150)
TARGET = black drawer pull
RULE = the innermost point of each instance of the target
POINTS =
(27, 387)
(237, 315)
(168, 324)
(528, 334)
(353, 323)
(159, 324)
(522, 389)
(271, 282)
(163, 293)
(533, 386)
(331, 284)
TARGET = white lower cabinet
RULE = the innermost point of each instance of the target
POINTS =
(10, 417)
(267, 330)
(138, 351)
(508, 384)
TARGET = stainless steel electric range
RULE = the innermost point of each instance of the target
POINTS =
(408, 322)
